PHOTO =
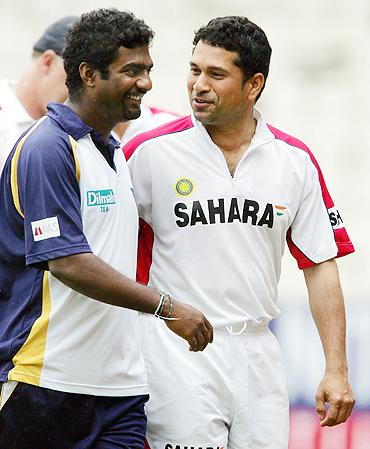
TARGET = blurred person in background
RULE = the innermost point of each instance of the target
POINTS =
(219, 193)
(71, 371)
(25, 100)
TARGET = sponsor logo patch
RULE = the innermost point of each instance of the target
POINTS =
(184, 187)
(209, 212)
(335, 218)
(45, 229)
(100, 197)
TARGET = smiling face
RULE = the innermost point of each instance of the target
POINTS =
(119, 96)
(217, 90)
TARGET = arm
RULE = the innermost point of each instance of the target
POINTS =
(327, 307)
(90, 276)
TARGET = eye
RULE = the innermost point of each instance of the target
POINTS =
(217, 75)
(194, 71)
(131, 72)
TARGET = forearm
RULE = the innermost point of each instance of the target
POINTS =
(90, 276)
(327, 307)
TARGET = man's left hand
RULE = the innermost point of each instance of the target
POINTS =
(336, 391)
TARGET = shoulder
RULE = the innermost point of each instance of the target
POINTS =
(294, 144)
(175, 126)
(44, 148)
(288, 139)
(45, 138)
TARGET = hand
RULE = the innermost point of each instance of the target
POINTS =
(334, 389)
(192, 325)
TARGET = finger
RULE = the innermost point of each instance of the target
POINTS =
(202, 342)
(207, 331)
(193, 344)
(345, 410)
(343, 413)
(331, 418)
(210, 330)
(320, 407)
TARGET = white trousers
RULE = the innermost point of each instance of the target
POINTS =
(233, 395)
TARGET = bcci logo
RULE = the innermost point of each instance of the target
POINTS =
(184, 187)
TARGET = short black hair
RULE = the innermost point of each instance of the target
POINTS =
(238, 34)
(96, 38)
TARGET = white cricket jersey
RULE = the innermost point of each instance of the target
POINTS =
(216, 241)
(65, 198)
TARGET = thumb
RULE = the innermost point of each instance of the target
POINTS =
(320, 407)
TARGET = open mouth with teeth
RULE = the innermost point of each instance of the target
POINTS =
(134, 97)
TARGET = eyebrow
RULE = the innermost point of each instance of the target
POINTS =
(134, 65)
(214, 67)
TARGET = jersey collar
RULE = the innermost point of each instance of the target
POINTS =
(261, 136)
(74, 126)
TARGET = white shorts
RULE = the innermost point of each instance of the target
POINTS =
(231, 396)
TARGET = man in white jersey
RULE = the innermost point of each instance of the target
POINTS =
(25, 100)
(71, 371)
(219, 193)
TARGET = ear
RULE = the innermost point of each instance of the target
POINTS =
(255, 85)
(87, 74)
(47, 59)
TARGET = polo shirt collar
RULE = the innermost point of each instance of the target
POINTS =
(261, 136)
(74, 126)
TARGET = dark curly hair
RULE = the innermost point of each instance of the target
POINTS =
(95, 39)
(238, 34)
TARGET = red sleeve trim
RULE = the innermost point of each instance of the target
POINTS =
(344, 248)
(342, 240)
(144, 252)
(175, 126)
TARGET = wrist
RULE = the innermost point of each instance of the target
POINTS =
(165, 307)
(336, 369)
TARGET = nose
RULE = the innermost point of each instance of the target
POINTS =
(144, 82)
(201, 84)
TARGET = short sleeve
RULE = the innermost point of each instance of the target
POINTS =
(317, 232)
(49, 198)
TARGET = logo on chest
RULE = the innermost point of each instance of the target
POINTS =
(184, 187)
(242, 210)
(101, 198)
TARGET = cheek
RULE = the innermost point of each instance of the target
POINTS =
(59, 90)
(57, 87)
(190, 81)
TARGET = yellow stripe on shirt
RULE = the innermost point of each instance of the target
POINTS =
(74, 145)
(29, 360)
(14, 169)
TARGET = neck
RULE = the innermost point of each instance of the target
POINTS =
(231, 137)
(121, 128)
(26, 92)
(91, 115)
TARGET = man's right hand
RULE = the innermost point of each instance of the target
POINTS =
(191, 325)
